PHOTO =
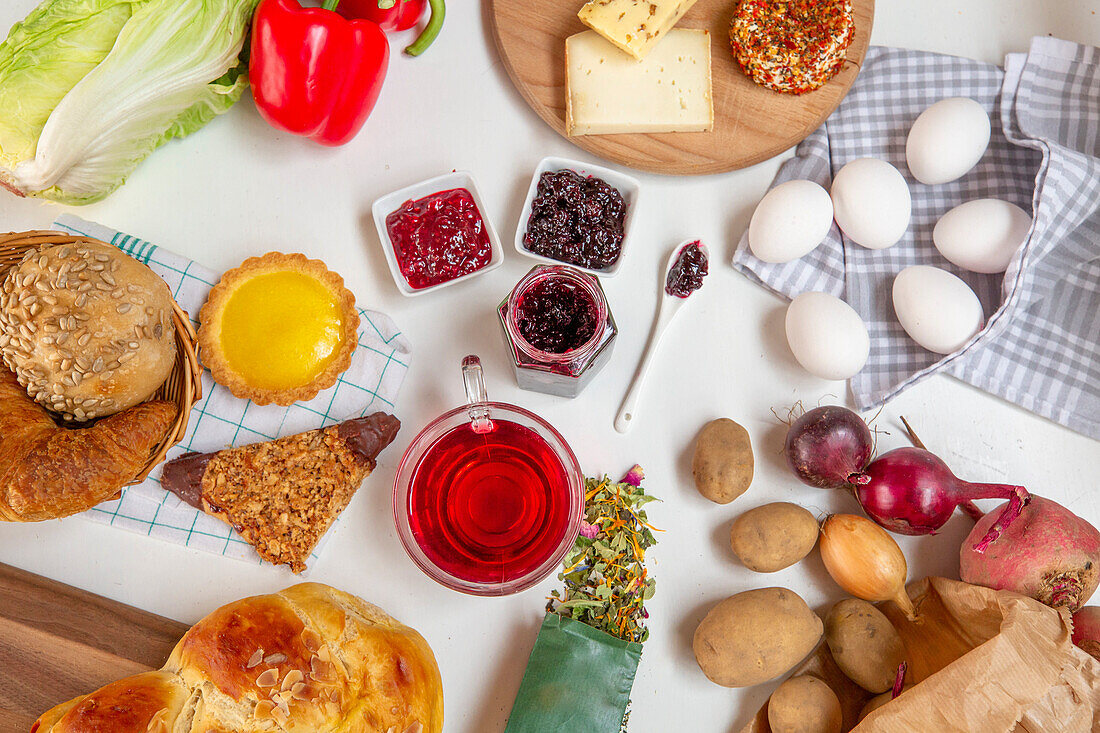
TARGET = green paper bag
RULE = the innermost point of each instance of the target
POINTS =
(578, 679)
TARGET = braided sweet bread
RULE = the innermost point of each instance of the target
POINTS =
(310, 658)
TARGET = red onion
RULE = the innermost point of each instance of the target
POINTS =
(827, 445)
(911, 491)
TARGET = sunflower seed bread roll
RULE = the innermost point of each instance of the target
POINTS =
(86, 328)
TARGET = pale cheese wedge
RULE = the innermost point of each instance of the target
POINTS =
(608, 92)
(635, 26)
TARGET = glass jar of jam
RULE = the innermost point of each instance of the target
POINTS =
(558, 328)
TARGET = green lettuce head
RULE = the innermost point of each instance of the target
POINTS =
(90, 87)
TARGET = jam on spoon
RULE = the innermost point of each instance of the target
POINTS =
(687, 273)
(685, 269)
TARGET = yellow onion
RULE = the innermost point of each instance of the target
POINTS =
(865, 560)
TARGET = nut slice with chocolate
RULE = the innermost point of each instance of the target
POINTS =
(283, 495)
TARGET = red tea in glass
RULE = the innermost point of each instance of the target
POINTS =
(489, 507)
(488, 497)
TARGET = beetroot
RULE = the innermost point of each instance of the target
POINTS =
(1043, 550)
(1086, 630)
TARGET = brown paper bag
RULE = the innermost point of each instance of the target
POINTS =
(983, 661)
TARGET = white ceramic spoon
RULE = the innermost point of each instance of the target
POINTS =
(667, 308)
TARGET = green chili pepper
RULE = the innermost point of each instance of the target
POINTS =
(428, 35)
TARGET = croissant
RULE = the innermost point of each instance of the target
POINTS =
(47, 472)
(310, 658)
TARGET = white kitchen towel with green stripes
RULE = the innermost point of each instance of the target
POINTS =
(220, 420)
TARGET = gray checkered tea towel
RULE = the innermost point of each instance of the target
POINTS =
(1040, 347)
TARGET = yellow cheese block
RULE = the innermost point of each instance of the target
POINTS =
(608, 93)
(635, 26)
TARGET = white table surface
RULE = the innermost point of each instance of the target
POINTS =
(238, 188)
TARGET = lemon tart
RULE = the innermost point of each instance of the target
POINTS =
(278, 328)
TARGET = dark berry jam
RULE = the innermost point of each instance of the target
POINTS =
(576, 219)
(687, 273)
(556, 316)
(439, 238)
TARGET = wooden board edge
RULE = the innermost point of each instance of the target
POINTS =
(25, 588)
(661, 167)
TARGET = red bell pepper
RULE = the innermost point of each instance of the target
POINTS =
(399, 15)
(390, 15)
(314, 73)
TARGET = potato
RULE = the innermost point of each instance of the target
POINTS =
(755, 636)
(722, 464)
(864, 644)
(804, 705)
(774, 536)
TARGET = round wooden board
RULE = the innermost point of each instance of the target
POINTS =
(751, 123)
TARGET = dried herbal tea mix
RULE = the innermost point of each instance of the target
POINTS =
(591, 636)
(606, 582)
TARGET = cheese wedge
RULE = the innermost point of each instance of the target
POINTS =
(607, 92)
(635, 26)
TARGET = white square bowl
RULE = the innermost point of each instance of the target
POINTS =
(389, 203)
(626, 185)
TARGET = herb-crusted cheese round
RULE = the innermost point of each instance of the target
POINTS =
(86, 329)
(792, 46)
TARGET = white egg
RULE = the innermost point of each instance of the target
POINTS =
(871, 202)
(827, 336)
(947, 140)
(982, 235)
(938, 310)
(791, 219)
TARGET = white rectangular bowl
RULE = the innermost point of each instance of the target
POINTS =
(626, 185)
(389, 203)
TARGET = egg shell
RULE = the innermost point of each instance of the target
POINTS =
(982, 235)
(827, 336)
(937, 309)
(790, 221)
(947, 140)
(871, 202)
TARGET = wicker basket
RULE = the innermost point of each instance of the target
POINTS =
(183, 385)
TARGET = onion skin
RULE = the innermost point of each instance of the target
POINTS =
(911, 491)
(865, 560)
(1045, 552)
(827, 445)
(1086, 630)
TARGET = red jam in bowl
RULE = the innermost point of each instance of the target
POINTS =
(439, 238)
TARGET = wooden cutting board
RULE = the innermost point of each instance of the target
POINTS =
(57, 642)
(751, 123)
